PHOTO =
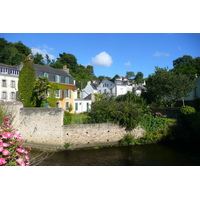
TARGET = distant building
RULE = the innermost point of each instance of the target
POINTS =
(8, 82)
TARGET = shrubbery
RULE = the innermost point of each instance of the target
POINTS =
(67, 118)
(126, 110)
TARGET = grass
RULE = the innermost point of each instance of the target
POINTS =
(79, 118)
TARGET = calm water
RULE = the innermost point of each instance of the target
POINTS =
(145, 155)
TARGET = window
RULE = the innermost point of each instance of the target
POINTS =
(12, 95)
(12, 85)
(4, 84)
(66, 80)
(4, 95)
(57, 93)
(67, 93)
(104, 91)
(57, 78)
(46, 75)
(4, 70)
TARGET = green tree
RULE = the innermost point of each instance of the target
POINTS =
(167, 87)
(130, 75)
(38, 59)
(42, 86)
(139, 77)
(26, 83)
(13, 53)
(185, 65)
(67, 59)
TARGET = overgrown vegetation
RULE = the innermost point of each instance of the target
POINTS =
(126, 110)
(26, 83)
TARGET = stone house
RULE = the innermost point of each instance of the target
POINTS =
(8, 82)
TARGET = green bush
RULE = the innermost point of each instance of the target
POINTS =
(128, 140)
(187, 110)
(67, 118)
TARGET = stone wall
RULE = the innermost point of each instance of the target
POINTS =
(44, 126)
(85, 135)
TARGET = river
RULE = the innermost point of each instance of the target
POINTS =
(143, 155)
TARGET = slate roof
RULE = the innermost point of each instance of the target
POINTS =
(51, 70)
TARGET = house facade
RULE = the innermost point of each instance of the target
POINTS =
(118, 87)
(91, 88)
(63, 82)
(8, 82)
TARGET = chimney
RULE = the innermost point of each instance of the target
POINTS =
(20, 66)
(65, 69)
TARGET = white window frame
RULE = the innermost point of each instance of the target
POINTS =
(4, 95)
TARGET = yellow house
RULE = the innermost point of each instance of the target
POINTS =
(62, 83)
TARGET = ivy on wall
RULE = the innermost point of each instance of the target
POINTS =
(52, 100)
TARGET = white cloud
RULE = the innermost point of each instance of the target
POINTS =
(102, 59)
(159, 54)
(44, 50)
(128, 63)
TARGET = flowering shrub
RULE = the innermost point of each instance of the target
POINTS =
(11, 151)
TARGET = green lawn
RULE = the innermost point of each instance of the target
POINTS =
(79, 118)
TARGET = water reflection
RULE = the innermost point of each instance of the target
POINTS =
(147, 155)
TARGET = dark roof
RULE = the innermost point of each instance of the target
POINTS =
(94, 85)
(51, 70)
(7, 66)
(89, 97)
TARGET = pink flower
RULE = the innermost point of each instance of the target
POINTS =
(20, 161)
(27, 157)
(1, 148)
(21, 150)
(2, 161)
(5, 152)
(7, 135)
(5, 145)
(6, 118)
(18, 136)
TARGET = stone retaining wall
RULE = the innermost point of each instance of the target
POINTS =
(45, 126)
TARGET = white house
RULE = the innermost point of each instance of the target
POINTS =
(118, 87)
(91, 88)
(8, 82)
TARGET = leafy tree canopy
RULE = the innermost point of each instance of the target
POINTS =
(187, 65)
(167, 86)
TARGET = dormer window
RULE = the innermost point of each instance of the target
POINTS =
(67, 80)
(46, 75)
(57, 78)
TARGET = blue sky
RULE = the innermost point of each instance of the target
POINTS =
(114, 53)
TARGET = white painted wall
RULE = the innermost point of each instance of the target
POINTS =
(8, 86)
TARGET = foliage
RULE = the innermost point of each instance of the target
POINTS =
(157, 129)
(187, 110)
(139, 77)
(26, 83)
(42, 86)
(13, 53)
(130, 75)
(11, 151)
(186, 65)
(166, 86)
(67, 145)
(125, 110)
(67, 118)
(38, 59)
(128, 140)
